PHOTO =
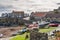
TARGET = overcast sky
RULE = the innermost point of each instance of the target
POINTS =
(28, 5)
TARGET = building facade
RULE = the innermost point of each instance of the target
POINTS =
(18, 14)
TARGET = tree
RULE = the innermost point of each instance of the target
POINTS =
(55, 11)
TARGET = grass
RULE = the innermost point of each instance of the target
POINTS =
(47, 30)
(22, 37)
(18, 37)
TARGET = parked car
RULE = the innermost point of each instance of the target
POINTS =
(43, 24)
(22, 31)
(54, 23)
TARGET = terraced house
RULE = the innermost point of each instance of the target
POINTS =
(19, 14)
(15, 17)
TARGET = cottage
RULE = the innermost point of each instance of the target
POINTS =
(38, 15)
(19, 14)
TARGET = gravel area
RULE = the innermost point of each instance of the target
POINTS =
(7, 32)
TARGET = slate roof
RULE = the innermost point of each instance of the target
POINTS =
(17, 11)
(53, 15)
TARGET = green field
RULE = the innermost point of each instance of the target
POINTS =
(22, 37)
(18, 37)
(47, 30)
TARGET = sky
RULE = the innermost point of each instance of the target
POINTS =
(28, 5)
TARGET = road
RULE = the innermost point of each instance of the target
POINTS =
(4, 38)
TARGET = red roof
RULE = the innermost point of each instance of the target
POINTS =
(40, 14)
(17, 11)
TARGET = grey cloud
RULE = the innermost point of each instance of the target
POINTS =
(15, 0)
(5, 8)
(28, 4)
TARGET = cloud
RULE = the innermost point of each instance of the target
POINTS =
(5, 8)
(34, 5)
(29, 5)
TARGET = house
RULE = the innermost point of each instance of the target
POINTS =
(38, 16)
(45, 16)
(15, 17)
(53, 17)
(13, 14)
(19, 14)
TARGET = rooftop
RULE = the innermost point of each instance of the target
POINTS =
(17, 11)
(39, 14)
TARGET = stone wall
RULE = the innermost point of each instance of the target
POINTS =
(38, 36)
